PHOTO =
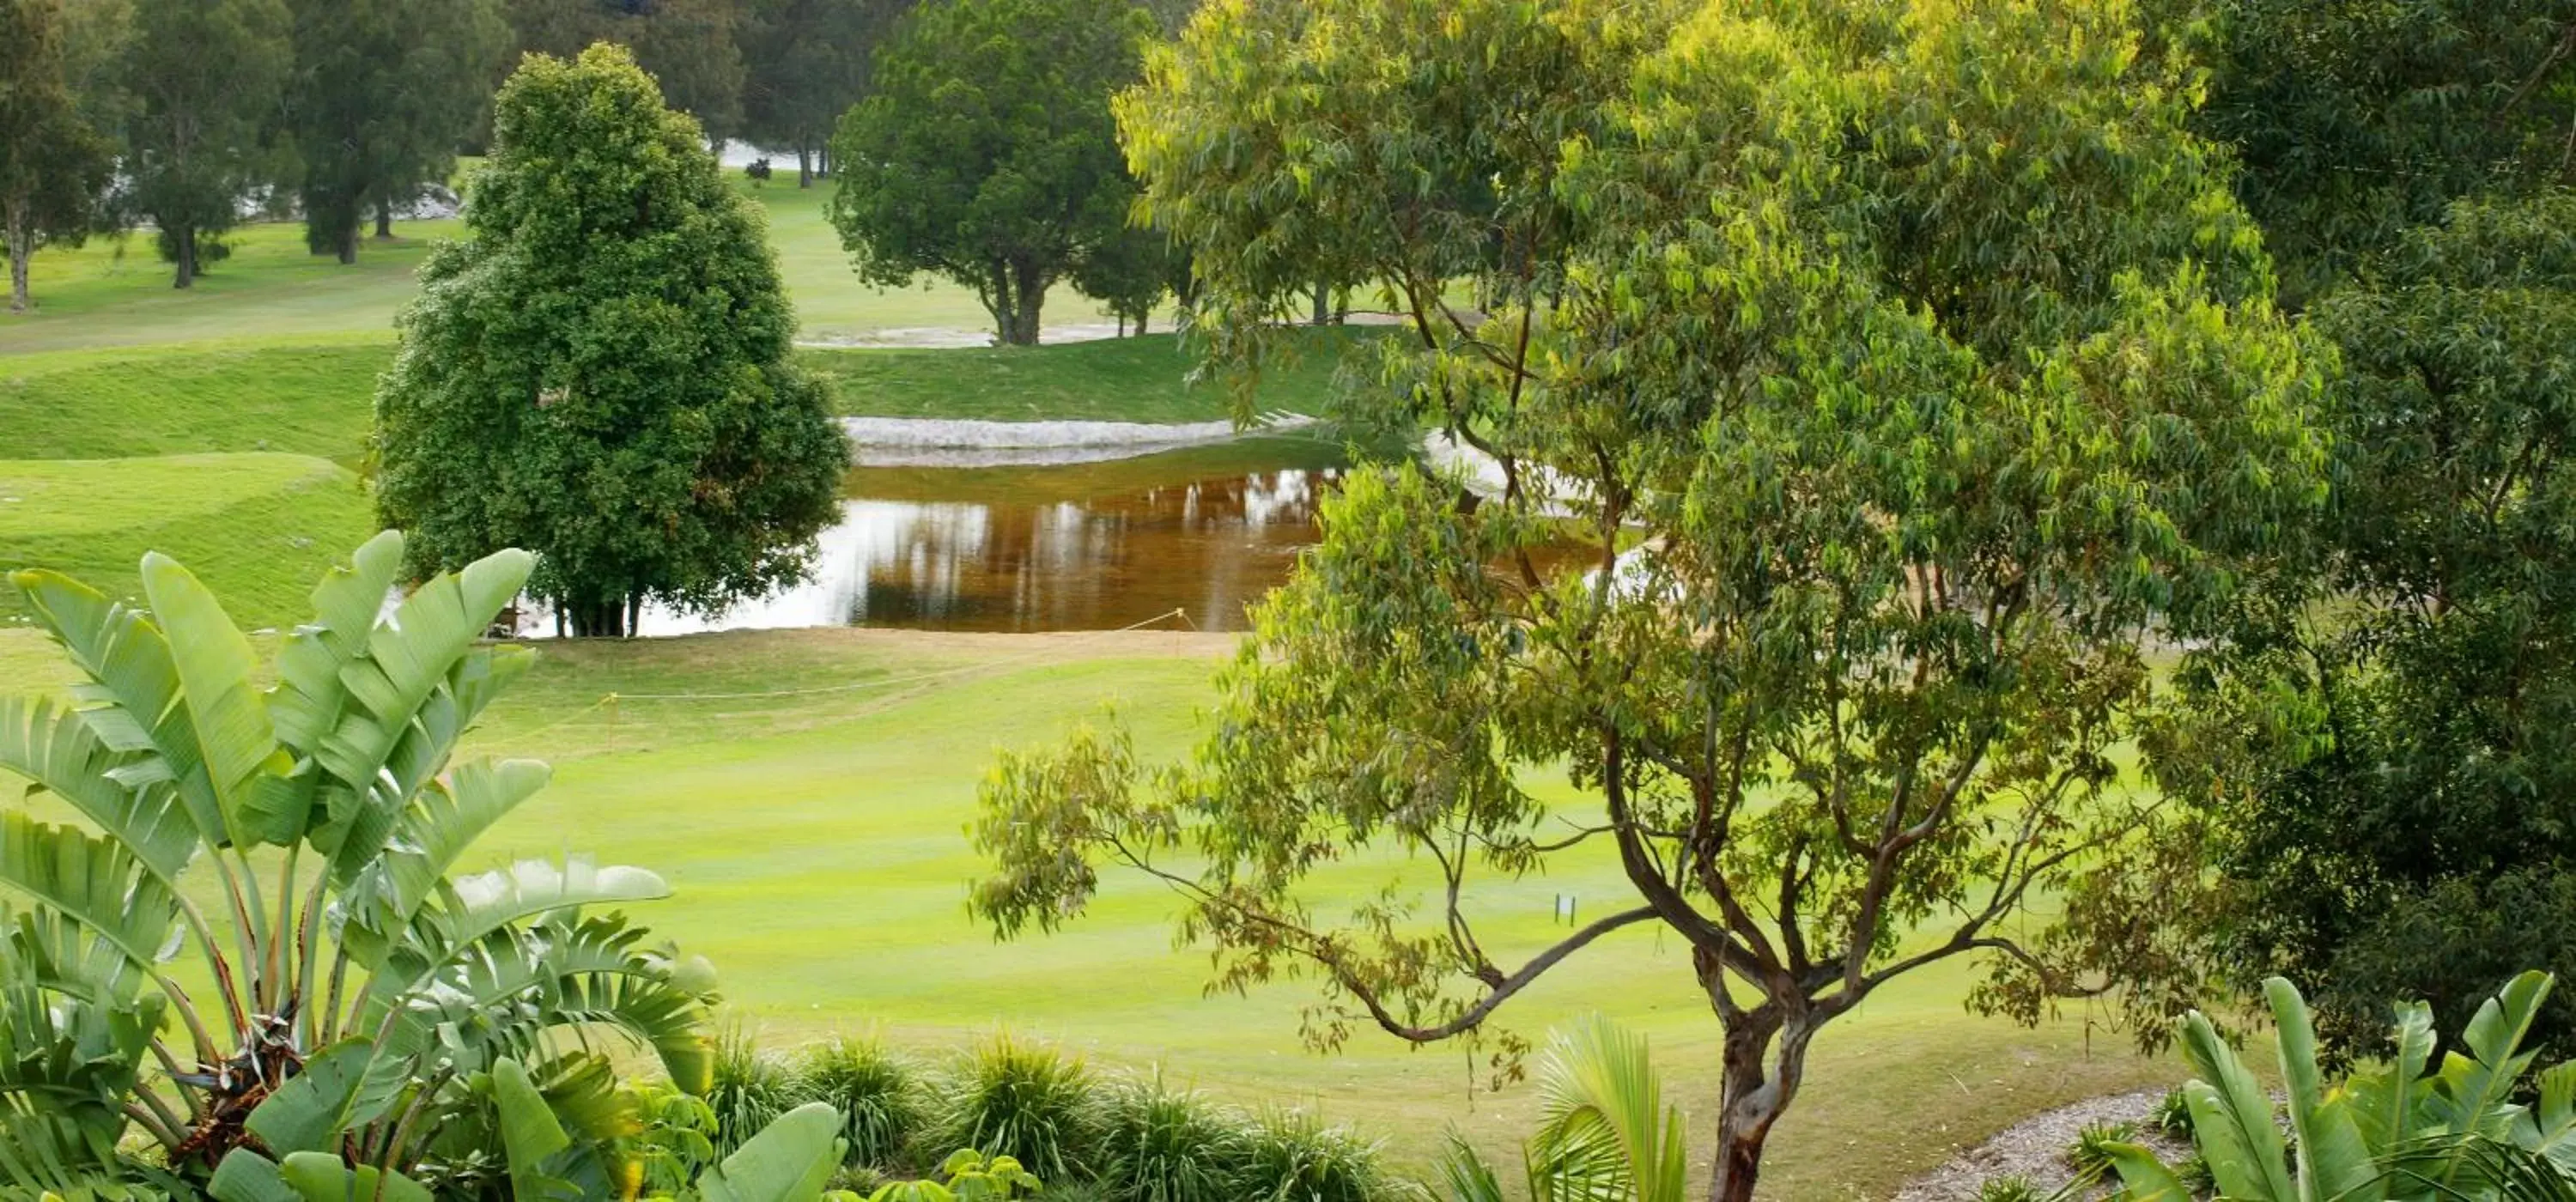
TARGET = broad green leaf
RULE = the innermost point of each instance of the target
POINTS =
(247, 1176)
(216, 678)
(91, 880)
(2143, 1178)
(2387, 1100)
(132, 699)
(2332, 1160)
(2232, 1119)
(343, 1087)
(60, 753)
(2477, 1088)
(529, 1132)
(789, 1161)
(322, 1177)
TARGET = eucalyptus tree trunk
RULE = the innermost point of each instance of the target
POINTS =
(385, 220)
(1765, 1062)
(804, 167)
(185, 240)
(22, 247)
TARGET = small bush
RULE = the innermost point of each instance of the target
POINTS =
(875, 1090)
(747, 1090)
(2091, 1155)
(2196, 1176)
(2173, 1116)
(1163, 1145)
(1024, 1101)
(674, 1140)
(1289, 1157)
(2012, 1187)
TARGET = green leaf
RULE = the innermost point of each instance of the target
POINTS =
(322, 1177)
(343, 1087)
(2387, 1099)
(62, 755)
(2332, 1160)
(2143, 1178)
(789, 1161)
(2476, 1090)
(2231, 1119)
(91, 880)
(247, 1176)
(529, 1132)
(216, 677)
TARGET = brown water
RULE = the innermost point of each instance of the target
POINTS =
(1100, 546)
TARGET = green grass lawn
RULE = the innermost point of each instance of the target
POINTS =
(815, 845)
(318, 398)
(260, 527)
(116, 292)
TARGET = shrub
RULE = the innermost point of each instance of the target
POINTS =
(874, 1090)
(1163, 1145)
(2091, 1155)
(2012, 1187)
(2173, 1115)
(1024, 1101)
(675, 1140)
(1289, 1157)
(747, 1090)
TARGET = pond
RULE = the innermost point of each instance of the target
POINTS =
(1093, 546)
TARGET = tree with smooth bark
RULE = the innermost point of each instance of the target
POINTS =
(55, 160)
(205, 77)
(383, 92)
(805, 62)
(1866, 387)
(986, 154)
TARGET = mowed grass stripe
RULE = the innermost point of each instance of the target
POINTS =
(258, 528)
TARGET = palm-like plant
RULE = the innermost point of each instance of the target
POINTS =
(297, 840)
(1605, 1134)
(2401, 1130)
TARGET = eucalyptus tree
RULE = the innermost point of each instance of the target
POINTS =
(205, 77)
(55, 158)
(382, 93)
(1892, 376)
(296, 843)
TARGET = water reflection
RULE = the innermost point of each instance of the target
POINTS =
(1082, 547)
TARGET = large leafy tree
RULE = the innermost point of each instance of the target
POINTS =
(2356, 122)
(600, 370)
(351, 1003)
(2381, 774)
(692, 48)
(805, 63)
(1889, 377)
(206, 77)
(985, 152)
(383, 92)
(55, 157)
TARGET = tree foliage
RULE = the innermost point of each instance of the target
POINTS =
(2356, 122)
(805, 63)
(205, 77)
(383, 92)
(1889, 377)
(2379, 776)
(985, 152)
(55, 159)
(692, 48)
(600, 369)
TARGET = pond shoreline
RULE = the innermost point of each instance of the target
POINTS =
(947, 442)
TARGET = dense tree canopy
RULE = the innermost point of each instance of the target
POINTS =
(2381, 772)
(985, 152)
(692, 48)
(205, 77)
(600, 370)
(2356, 122)
(1889, 376)
(383, 92)
(55, 158)
(805, 63)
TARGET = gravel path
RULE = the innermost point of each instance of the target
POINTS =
(2036, 1148)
